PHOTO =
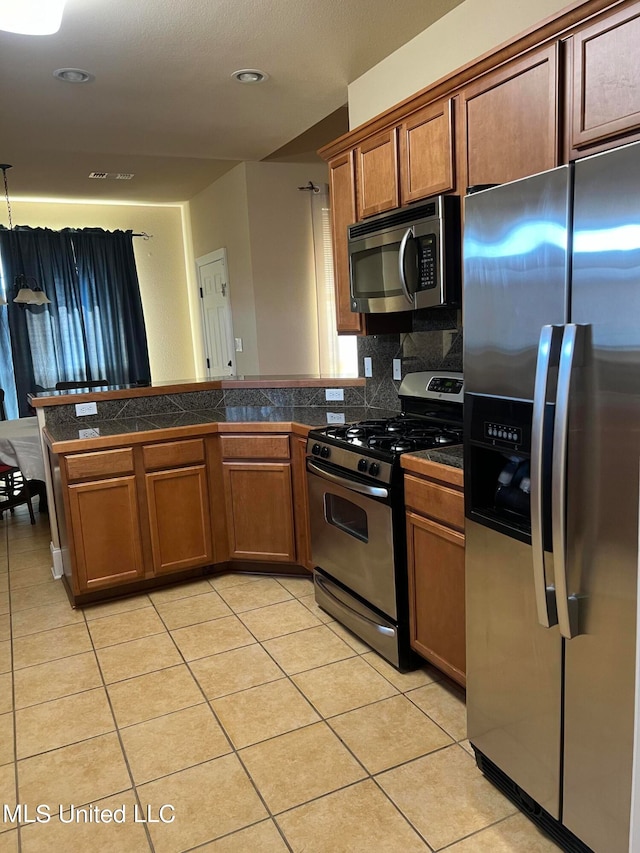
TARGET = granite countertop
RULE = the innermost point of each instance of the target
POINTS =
(51, 397)
(452, 456)
(308, 416)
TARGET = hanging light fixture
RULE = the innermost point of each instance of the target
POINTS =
(31, 17)
(28, 290)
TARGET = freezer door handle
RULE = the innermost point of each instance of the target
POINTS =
(570, 356)
(548, 357)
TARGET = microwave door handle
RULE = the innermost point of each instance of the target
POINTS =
(408, 235)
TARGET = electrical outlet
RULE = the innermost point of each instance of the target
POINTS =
(238, 344)
(86, 409)
(336, 418)
(334, 394)
(397, 368)
(92, 432)
(368, 370)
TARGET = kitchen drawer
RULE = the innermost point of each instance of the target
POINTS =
(255, 446)
(435, 501)
(105, 463)
(173, 454)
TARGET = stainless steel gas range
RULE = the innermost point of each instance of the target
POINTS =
(356, 507)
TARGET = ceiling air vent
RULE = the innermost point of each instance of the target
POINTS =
(112, 176)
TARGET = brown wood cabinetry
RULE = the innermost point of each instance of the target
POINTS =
(377, 174)
(177, 505)
(605, 85)
(259, 501)
(427, 162)
(510, 119)
(106, 541)
(342, 188)
(301, 502)
(435, 559)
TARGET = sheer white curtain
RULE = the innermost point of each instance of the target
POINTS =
(338, 353)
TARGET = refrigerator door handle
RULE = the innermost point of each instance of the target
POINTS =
(548, 356)
(567, 604)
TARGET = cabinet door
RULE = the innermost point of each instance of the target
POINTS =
(178, 503)
(426, 152)
(377, 174)
(606, 69)
(301, 502)
(106, 533)
(511, 120)
(436, 594)
(343, 213)
(259, 503)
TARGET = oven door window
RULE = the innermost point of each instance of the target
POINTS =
(346, 516)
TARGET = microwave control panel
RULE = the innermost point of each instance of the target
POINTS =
(427, 251)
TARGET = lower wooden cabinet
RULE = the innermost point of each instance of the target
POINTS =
(259, 501)
(435, 562)
(106, 535)
(301, 502)
(179, 524)
(144, 511)
(436, 591)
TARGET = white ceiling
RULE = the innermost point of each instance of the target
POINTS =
(163, 104)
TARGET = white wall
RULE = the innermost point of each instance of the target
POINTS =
(161, 269)
(220, 220)
(284, 281)
(258, 214)
(468, 31)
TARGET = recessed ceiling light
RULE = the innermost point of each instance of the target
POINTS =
(250, 75)
(73, 75)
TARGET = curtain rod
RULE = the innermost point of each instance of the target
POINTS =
(142, 234)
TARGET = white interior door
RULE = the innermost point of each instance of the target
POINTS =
(217, 327)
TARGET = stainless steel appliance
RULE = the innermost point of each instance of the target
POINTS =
(406, 259)
(552, 373)
(356, 509)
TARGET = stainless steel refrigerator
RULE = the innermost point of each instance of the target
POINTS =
(552, 475)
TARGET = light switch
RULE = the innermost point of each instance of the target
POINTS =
(397, 368)
(368, 370)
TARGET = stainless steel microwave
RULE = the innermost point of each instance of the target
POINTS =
(406, 259)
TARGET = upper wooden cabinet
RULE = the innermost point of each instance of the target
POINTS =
(342, 188)
(605, 85)
(427, 163)
(511, 120)
(377, 174)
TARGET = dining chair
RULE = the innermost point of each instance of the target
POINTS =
(14, 489)
(86, 383)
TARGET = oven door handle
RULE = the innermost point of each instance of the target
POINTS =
(382, 629)
(352, 485)
(409, 235)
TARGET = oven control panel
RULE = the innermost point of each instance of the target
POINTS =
(350, 460)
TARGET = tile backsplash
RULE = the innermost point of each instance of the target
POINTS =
(434, 344)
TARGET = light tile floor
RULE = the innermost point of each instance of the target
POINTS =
(237, 701)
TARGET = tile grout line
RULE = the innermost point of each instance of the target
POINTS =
(117, 731)
(230, 742)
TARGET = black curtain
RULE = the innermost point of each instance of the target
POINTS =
(112, 305)
(93, 328)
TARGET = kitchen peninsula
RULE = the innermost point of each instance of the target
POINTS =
(164, 482)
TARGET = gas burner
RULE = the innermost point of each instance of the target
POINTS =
(336, 432)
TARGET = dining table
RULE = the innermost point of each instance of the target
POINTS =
(20, 447)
